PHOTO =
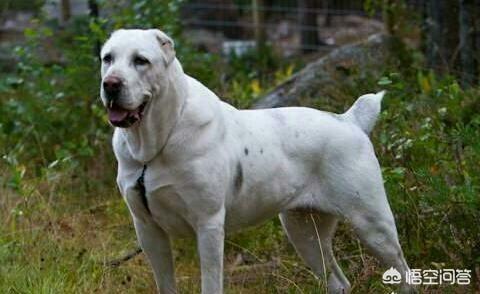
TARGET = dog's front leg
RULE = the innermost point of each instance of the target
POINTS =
(156, 245)
(210, 238)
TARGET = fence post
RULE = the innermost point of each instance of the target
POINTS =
(308, 21)
(258, 22)
(65, 11)
(467, 42)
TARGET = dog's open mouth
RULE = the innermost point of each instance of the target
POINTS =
(124, 118)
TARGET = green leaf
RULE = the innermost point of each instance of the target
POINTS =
(384, 81)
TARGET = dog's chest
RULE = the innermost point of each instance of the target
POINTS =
(169, 210)
(153, 195)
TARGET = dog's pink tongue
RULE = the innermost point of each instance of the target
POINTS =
(116, 114)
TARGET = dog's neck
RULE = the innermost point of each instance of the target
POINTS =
(148, 138)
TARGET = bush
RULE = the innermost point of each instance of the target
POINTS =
(429, 148)
(50, 111)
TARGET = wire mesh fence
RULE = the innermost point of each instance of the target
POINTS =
(292, 26)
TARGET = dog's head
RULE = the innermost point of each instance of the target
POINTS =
(134, 69)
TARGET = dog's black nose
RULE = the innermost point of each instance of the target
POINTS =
(112, 86)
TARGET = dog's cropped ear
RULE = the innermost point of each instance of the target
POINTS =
(167, 45)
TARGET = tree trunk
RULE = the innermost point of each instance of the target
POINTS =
(441, 36)
(94, 13)
(93, 8)
(467, 42)
(65, 11)
(433, 36)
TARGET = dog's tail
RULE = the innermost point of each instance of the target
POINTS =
(364, 112)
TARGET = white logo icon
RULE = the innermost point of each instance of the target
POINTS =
(392, 276)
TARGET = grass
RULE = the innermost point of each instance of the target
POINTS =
(57, 248)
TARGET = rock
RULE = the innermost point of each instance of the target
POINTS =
(330, 71)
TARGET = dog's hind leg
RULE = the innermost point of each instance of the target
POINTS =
(377, 231)
(311, 234)
(357, 193)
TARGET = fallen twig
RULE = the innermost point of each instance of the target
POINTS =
(126, 257)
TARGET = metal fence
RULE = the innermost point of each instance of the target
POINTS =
(295, 26)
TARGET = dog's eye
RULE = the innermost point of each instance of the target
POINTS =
(107, 58)
(139, 60)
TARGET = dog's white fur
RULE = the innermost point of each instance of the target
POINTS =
(211, 169)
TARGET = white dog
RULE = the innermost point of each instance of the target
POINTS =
(192, 165)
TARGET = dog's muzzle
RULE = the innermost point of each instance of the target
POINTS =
(117, 115)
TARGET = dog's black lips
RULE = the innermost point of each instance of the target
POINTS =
(124, 118)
